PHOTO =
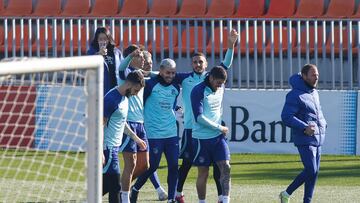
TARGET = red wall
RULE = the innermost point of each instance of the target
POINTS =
(17, 116)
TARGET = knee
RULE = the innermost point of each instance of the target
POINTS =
(186, 164)
(130, 164)
(203, 174)
(115, 188)
(146, 166)
(142, 163)
(225, 170)
(142, 167)
(173, 169)
(113, 182)
(152, 168)
(311, 172)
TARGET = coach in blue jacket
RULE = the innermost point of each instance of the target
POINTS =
(302, 113)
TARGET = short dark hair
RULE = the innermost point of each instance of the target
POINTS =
(130, 49)
(198, 54)
(305, 69)
(136, 77)
(218, 72)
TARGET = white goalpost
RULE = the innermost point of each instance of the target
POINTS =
(51, 129)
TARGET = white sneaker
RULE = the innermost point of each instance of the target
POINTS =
(162, 195)
(284, 197)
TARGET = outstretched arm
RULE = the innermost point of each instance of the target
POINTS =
(233, 36)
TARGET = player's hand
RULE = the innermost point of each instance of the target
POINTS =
(102, 48)
(310, 130)
(145, 73)
(141, 143)
(135, 53)
(233, 36)
(103, 52)
(224, 130)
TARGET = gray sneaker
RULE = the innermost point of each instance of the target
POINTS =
(162, 195)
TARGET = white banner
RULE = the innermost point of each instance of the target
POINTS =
(254, 120)
(61, 119)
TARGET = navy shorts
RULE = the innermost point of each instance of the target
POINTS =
(128, 144)
(111, 160)
(186, 151)
(208, 151)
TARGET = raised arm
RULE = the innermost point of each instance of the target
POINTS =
(233, 36)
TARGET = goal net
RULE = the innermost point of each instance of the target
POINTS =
(50, 128)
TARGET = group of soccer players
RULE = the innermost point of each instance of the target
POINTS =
(140, 122)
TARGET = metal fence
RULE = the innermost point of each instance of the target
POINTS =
(268, 51)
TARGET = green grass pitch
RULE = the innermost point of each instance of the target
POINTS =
(34, 176)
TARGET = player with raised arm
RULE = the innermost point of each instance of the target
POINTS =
(115, 114)
(188, 81)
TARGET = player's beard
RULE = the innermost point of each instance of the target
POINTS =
(196, 70)
(311, 84)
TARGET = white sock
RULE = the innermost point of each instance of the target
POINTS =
(136, 190)
(160, 190)
(125, 197)
(285, 193)
(220, 198)
(226, 199)
(179, 194)
(202, 201)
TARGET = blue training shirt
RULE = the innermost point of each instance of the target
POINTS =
(159, 113)
(207, 103)
(115, 110)
(189, 80)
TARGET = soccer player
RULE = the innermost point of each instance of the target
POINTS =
(137, 161)
(160, 94)
(208, 134)
(188, 82)
(302, 113)
(104, 44)
(162, 195)
(115, 113)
